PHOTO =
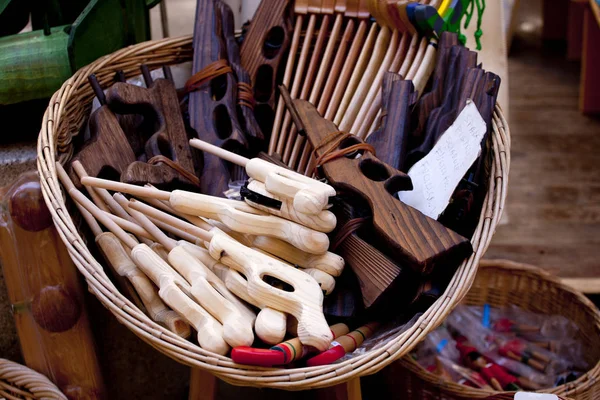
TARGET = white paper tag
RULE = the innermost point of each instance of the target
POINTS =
(436, 176)
(535, 396)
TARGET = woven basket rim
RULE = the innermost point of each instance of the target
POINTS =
(26, 382)
(59, 127)
(578, 387)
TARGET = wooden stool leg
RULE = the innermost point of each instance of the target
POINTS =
(589, 89)
(344, 391)
(203, 385)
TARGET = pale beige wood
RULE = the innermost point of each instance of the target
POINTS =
(298, 77)
(347, 70)
(287, 77)
(307, 84)
(357, 73)
(410, 55)
(210, 331)
(336, 67)
(426, 68)
(325, 221)
(329, 262)
(305, 302)
(171, 285)
(128, 226)
(309, 195)
(325, 281)
(270, 328)
(117, 256)
(366, 79)
(306, 239)
(202, 254)
(375, 86)
(205, 286)
(317, 88)
(416, 63)
(375, 106)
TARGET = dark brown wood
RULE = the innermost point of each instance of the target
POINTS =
(432, 99)
(212, 107)
(45, 292)
(158, 102)
(391, 139)
(107, 151)
(263, 53)
(460, 59)
(413, 239)
(250, 126)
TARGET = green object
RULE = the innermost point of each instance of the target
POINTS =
(33, 65)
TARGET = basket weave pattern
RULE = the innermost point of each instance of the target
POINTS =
(66, 114)
(19, 382)
(501, 283)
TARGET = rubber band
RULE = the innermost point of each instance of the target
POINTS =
(206, 74)
(245, 95)
(333, 140)
(175, 166)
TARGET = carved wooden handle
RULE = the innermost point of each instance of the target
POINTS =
(270, 324)
(324, 221)
(207, 288)
(301, 237)
(210, 331)
(329, 262)
(304, 303)
(113, 251)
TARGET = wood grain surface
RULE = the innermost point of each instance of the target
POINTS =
(406, 233)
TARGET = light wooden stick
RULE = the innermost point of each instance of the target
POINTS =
(205, 286)
(210, 334)
(117, 257)
(325, 221)
(287, 77)
(357, 73)
(376, 83)
(366, 80)
(298, 78)
(305, 302)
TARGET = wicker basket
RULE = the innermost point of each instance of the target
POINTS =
(19, 382)
(500, 283)
(66, 113)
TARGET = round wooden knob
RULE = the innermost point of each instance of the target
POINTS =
(55, 310)
(26, 204)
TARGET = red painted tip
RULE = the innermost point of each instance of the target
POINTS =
(326, 357)
(253, 356)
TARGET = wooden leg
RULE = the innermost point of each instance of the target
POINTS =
(589, 89)
(344, 391)
(203, 385)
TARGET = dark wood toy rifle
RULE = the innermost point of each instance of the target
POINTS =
(263, 52)
(390, 141)
(170, 162)
(246, 100)
(412, 238)
(212, 99)
(107, 150)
